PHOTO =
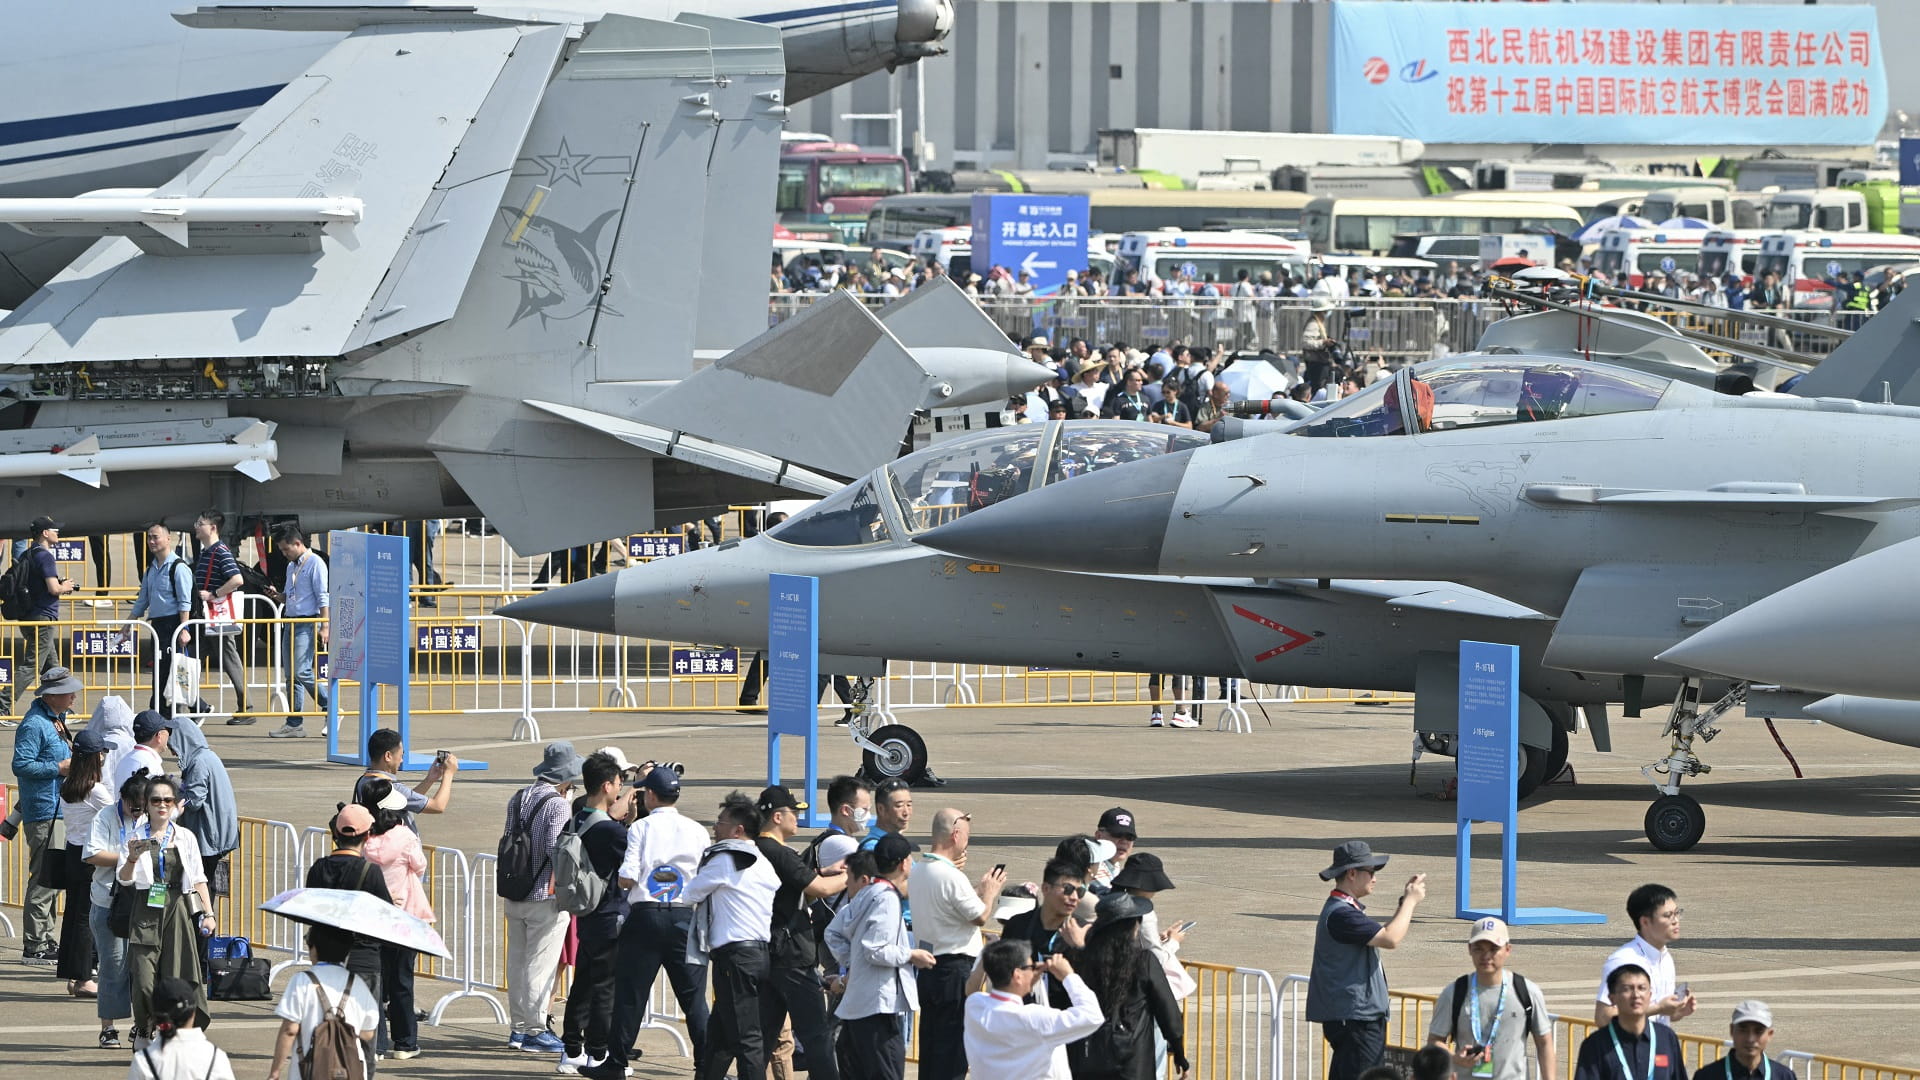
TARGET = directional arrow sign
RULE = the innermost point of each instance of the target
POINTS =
(1032, 264)
(1042, 235)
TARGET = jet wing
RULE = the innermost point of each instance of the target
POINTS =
(1424, 595)
(418, 122)
(1765, 498)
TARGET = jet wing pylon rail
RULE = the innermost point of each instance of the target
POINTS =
(1765, 354)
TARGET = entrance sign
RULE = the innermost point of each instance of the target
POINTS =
(1488, 763)
(1045, 235)
(793, 680)
(1756, 74)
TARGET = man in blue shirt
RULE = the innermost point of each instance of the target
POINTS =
(1631, 1046)
(41, 752)
(305, 597)
(39, 648)
(1347, 995)
(216, 573)
(165, 600)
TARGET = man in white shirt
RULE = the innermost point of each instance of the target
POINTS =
(1009, 1039)
(1655, 912)
(302, 1006)
(948, 912)
(151, 733)
(733, 916)
(663, 854)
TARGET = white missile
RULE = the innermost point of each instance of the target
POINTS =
(251, 453)
(1887, 719)
(209, 223)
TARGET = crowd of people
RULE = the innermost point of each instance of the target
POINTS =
(828, 954)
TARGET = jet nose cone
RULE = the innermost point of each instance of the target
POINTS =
(1024, 375)
(584, 605)
(1113, 521)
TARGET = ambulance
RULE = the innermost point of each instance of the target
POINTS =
(1806, 261)
(1637, 253)
(1170, 253)
(1730, 251)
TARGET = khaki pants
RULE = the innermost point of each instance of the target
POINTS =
(536, 932)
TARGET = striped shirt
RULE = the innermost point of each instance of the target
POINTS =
(542, 811)
(214, 567)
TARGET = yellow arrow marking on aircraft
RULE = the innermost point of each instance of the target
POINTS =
(983, 568)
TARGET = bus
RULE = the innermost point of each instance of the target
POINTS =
(1806, 261)
(1590, 205)
(837, 187)
(894, 222)
(1368, 226)
(1219, 256)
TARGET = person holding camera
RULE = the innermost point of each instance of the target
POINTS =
(1485, 1016)
(385, 758)
(1347, 995)
(39, 643)
(171, 909)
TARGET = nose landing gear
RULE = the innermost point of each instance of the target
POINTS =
(1676, 822)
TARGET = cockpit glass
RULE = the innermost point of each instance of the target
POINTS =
(940, 484)
(1480, 392)
(1373, 411)
(849, 518)
(1092, 448)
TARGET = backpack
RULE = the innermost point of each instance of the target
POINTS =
(576, 888)
(1460, 994)
(16, 588)
(334, 1052)
(518, 873)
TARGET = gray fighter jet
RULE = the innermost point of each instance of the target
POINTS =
(1632, 509)
(469, 264)
(883, 597)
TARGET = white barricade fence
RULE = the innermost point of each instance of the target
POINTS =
(1233, 1023)
(454, 888)
(472, 665)
(485, 974)
(1300, 1052)
(240, 663)
(104, 653)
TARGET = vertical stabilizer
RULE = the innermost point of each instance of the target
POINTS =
(1881, 360)
(749, 94)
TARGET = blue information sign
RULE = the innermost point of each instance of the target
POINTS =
(1909, 162)
(690, 662)
(1045, 235)
(793, 678)
(102, 643)
(656, 545)
(447, 638)
(67, 550)
(1488, 762)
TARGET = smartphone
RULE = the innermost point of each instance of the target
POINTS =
(440, 757)
(1472, 1051)
(1000, 867)
(1188, 925)
(1682, 991)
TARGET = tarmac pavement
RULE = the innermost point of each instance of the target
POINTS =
(1244, 823)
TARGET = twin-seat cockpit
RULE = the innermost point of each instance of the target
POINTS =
(944, 482)
(1485, 391)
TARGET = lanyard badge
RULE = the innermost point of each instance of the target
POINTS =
(1484, 1068)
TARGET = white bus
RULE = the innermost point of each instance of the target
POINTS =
(1805, 262)
(1368, 226)
(1158, 256)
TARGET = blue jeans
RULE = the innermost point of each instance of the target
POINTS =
(300, 669)
(115, 1001)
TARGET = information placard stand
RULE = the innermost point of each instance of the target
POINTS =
(1489, 774)
(369, 632)
(793, 681)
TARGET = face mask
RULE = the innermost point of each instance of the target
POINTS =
(862, 817)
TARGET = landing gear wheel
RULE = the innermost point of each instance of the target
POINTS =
(1557, 753)
(902, 754)
(1533, 770)
(1675, 822)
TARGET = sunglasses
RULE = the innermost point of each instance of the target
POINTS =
(161, 800)
(1067, 888)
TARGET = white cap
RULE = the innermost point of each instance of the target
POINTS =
(1489, 929)
(835, 849)
(619, 758)
(1753, 1011)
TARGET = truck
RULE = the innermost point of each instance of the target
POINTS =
(1195, 154)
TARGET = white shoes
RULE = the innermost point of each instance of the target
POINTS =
(1182, 720)
(1156, 720)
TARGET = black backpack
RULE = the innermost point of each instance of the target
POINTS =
(1460, 994)
(16, 588)
(518, 873)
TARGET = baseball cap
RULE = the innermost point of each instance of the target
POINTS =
(352, 820)
(88, 741)
(1753, 1011)
(662, 781)
(776, 797)
(1118, 822)
(396, 800)
(146, 722)
(1489, 929)
(890, 851)
(836, 848)
(43, 523)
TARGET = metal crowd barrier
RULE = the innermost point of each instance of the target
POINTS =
(1232, 1023)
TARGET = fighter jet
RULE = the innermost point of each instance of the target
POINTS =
(465, 264)
(883, 597)
(129, 95)
(1632, 509)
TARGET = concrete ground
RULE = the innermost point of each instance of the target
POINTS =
(1796, 895)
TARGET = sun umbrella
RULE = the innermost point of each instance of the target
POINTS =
(1591, 231)
(363, 913)
(1684, 223)
(1254, 380)
(1510, 264)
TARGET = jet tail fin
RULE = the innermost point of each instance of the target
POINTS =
(1880, 362)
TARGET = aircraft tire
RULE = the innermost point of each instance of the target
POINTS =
(903, 754)
(1557, 753)
(1533, 770)
(1676, 822)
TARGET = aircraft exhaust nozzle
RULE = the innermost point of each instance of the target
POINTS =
(1113, 521)
(1885, 719)
(970, 376)
(920, 22)
(1847, 630)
